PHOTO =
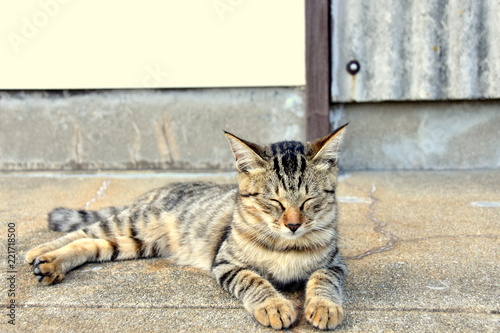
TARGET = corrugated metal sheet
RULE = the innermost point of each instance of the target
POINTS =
(416, 49)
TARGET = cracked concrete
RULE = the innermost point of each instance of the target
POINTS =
(378, 228)
(421, 258)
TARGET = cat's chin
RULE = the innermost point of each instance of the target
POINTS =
(293, 235)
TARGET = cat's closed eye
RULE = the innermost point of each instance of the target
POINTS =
(277, 204)
(306, 203)
(312, 205)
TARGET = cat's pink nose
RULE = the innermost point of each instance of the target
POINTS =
(293, 226)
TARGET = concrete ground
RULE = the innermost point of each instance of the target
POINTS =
(423, 251)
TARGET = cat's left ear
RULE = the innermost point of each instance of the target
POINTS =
(247, 154)
(326, 149)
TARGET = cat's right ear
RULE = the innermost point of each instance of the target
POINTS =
(247, 154)
(326, 149)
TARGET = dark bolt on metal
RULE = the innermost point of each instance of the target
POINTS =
(353, 67)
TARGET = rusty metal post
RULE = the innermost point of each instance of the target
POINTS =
(318, 76)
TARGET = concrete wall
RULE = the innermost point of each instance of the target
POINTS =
(141, 129)
(420, 135)
(182, 129)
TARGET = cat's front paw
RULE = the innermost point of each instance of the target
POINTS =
(277, 312)
(47, 270)
(323, 313)
(34, 253)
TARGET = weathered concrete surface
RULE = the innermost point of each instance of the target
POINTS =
(415, 136)
(182, 129)
(423, 251)
(142, 129)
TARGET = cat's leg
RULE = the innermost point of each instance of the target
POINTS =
(51, 267)
(116, 238)
(53, 245)
(68, 220)
(324, 296)
(258, 295)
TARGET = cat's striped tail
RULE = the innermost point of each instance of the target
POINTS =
(65, 219)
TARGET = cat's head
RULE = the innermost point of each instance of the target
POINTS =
(288, 188)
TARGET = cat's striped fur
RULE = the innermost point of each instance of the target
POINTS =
(276, 228)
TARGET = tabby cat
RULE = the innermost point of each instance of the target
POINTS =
(275, 229)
